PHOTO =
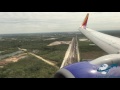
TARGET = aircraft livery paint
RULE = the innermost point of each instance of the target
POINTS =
(84, 24)
(87, 70)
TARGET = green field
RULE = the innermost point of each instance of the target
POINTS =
(90, 52)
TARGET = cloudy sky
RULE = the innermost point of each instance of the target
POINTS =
(36, 22)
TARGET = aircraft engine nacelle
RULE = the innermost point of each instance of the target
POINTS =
(107, 66)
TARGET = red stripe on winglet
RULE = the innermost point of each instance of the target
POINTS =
(85, 20)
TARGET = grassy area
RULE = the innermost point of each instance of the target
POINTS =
(7, 47)
(29, 67)
(54, 53)
(90, 52)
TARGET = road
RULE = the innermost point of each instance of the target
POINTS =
(46, 61)
(72, 54)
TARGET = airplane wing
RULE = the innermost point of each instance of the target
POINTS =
(107, 66)
(108, 43)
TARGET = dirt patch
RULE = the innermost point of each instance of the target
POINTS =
(12, 59)
(50, 39)
(59, 42)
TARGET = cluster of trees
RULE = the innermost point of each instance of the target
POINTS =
(29, 67)
(54, 53)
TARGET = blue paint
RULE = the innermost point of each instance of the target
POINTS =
(87, 70)
(82, 70)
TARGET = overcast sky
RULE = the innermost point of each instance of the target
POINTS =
(36, 22)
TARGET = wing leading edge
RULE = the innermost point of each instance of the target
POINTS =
(108, 43)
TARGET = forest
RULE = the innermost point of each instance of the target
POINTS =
(31, 67)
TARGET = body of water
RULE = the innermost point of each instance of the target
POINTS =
(10, 54)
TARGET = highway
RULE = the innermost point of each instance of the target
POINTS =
(72, 54)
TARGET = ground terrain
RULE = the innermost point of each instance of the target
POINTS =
(42, 54)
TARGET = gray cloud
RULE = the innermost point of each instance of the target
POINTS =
(31, 22)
